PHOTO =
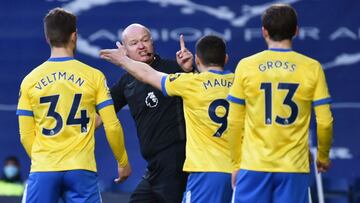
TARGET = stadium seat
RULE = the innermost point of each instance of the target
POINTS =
(336, 190)
(337, 199)
(336, 185)
(357, 185)
(356, 191)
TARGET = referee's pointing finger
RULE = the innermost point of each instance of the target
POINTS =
(182, 43)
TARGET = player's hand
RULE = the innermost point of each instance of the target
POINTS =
(233, 178)
(184, 57)
(116, 56)
(322, 167)
(124, 173)
(98, 121)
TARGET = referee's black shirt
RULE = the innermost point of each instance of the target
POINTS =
(159, 120)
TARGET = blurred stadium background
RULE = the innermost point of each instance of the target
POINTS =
(329, 32)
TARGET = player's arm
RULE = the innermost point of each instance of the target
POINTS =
(117, 94)
(114, 134)
(115, 137)
(26, 120)
(141, 71)
(27, 132)
(236, 121)
(324, 120)
(235, 131)
(113, 129)
(235, 134)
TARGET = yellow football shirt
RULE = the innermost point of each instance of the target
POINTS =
(278, 88)
(63, 95)
(205, 111)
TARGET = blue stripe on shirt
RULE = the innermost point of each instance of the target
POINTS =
(104, 104)
(61, 59)
(280, 49)
(322, 102)
(236, 100)
(220, 72)
(163, 88)
(22, 112)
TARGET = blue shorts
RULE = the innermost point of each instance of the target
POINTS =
(266, 187)
(70, 186)
(208, 187)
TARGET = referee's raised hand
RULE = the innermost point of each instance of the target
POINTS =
(116, 56)
(184, 57)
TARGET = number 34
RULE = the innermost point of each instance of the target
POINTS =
(71, 120)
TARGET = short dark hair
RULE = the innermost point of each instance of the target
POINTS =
(280, 20)
(13, 159)
(59, 25)
(211, 50)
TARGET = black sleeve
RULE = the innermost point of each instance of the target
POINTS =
(117, 93)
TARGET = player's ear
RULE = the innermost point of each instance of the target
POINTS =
(297, 31)
(197, 60)
(226, 58)
(73, 37)
(47, 40)
(199, 63)
(265, 33)
(46, 37)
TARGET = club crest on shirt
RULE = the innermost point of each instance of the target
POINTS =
(107, 88)
(151, 100)
(105, 83)
(173, 77)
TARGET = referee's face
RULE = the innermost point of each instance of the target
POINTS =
(139, 45)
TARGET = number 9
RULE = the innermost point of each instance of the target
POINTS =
(220, 120)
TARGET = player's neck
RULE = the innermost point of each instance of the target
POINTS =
(284, 44)
(217, 68)
(58, 52)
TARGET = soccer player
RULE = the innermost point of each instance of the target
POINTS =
(270, 108)
(205, 109)
(159, 119)
(57, 108)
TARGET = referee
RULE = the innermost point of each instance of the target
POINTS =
(159, 120)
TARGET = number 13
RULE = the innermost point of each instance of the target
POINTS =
(291, 87)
